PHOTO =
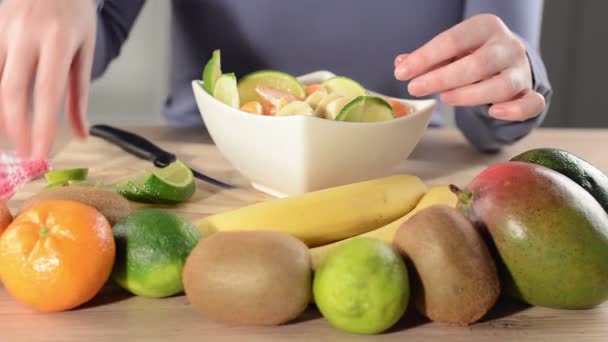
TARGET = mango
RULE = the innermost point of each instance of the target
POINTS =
(550, 235)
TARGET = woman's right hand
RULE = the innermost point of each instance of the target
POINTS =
(52, 44)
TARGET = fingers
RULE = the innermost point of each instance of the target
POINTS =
(458, 40)
(17, 77)
(51, 79)
(2, 125)
(499, 88)
(78, 90)
(529, 105)
(486, 61)
(401, 58)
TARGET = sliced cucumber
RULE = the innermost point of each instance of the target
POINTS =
(226, 91)
(270, 78)
(366, 109)
(212, 71)
(344, 86)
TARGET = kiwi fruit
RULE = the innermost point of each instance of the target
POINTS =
(110, 204)
(249, 277)
(455, 278)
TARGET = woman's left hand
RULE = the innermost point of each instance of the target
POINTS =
(477, 62)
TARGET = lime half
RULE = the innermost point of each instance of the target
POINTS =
(59, 176)
(344, 86)
(270, 78)
(212, 71)
(170, 185)
(366, 109)
(226, 91)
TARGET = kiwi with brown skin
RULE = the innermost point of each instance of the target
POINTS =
(110, 204)
(455, 278)
(249, 277)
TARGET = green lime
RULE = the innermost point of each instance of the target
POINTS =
(152, 246)
(226, 91)
(212, 71)
(366, 109)
(55, 185)
(344, 86)
(65, 175)
(170, 185)
(362, 286)
(270, 78)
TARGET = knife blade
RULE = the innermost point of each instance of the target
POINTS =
(145, 149)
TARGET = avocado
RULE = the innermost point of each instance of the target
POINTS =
(551, 236)
(573, 167)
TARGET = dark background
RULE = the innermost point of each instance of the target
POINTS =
(575, 50)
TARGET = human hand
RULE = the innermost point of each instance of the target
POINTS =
(477, 62)
(51, 42)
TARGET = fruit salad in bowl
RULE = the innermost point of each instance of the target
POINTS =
(289, 135)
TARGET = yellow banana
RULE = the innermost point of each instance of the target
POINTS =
(436, 195)
(328, 215)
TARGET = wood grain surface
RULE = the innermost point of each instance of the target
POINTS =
(442, 157)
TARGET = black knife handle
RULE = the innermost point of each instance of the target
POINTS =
(134, 144)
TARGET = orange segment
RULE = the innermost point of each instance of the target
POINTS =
(253, 107)
(56, 255)
(314, 87)
(399, 108)
(273, 99)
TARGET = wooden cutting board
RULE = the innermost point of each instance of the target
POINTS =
(112, 165)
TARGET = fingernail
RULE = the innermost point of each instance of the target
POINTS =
(402, 73)
(417, 87)
(499, 113)
(400, 59)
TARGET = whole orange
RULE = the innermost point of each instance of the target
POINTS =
(56, 255)
(5, 217)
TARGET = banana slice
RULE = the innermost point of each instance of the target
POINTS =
(295, 108)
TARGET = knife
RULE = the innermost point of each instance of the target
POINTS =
(144, 149)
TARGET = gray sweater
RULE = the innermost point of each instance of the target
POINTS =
(355, 38)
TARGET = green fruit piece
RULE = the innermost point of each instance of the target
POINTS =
(366, 109)
(212, 71)
(270, 78)
(344, 86)
(573, 167)
(362, 286)
(550, 234)
(65, 175)
(131, 189)
(170, 185)
(151, 249)
(226, 91)
(55, 185)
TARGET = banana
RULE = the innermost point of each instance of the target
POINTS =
(328, 215)
(436, 195)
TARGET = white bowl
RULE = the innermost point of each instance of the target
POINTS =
(291, 155)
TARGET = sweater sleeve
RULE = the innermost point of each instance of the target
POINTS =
(115, 18)
(524, 18)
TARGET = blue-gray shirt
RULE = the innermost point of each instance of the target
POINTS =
(356, 38)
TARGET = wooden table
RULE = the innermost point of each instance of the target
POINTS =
(441, 157)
